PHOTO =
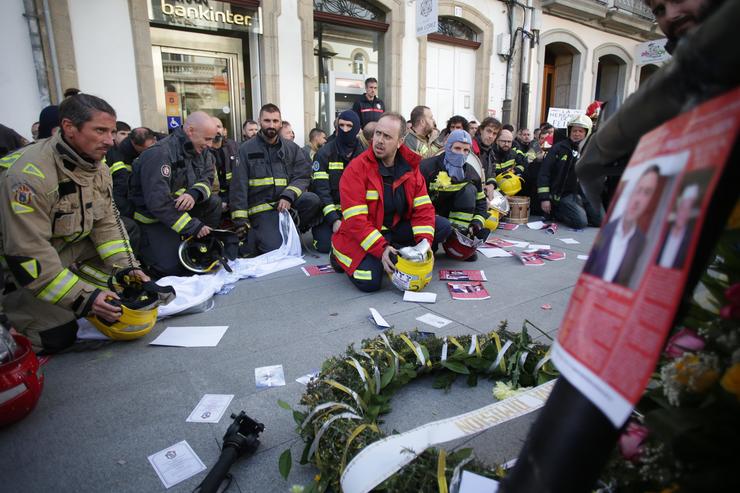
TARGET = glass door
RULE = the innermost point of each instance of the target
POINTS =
(198, 72)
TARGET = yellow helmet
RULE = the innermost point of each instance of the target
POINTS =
(509, 183)
(413, 276)
(491, 222)
(138, 301)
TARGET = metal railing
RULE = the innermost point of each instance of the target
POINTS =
(635, 7)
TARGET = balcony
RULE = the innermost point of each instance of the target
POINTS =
(631, 18)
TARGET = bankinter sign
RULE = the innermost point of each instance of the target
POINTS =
(203, 14)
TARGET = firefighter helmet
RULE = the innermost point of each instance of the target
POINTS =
(580, 121)
(459, 246)
(138, 301)
(202, 255)
(499, 203)
(21, 378)
(491, 222)
(509, 183)
(413, 267)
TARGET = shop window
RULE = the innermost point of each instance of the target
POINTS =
(348, 48)
(455, 28)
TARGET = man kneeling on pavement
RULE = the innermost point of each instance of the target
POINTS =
(385, 206)
(61, 237)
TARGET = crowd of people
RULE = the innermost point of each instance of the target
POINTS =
(92, 195)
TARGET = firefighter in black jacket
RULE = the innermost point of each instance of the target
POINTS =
(455, 187)
(171, 192)
(330, 162)
(272, 176)
(369, 107)
(505, 158)
(226, 153)
(560, 193)
(120, 158)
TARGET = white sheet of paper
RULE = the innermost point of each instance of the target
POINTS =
(378, 319)
(534, 247)
(419, 297)
(536, 225)
(569, 241)
(433, 320)
(518, 244)
(199, 336)
(475, 483)
(210, 409)
(307, 377)
(583, 257)
(176, 464)
(494, 252)
(269, 376)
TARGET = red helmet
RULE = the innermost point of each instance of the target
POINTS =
(21, 379)
(459, 246)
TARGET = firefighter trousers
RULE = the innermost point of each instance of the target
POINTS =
(49, 327)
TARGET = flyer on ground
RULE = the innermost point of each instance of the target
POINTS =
(462, 275)
(468, 291)
(626, 299)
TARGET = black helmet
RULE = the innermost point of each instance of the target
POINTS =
(201, 255)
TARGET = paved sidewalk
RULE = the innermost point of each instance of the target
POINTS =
(104, 411)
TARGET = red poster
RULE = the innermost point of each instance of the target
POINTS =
(626, 298)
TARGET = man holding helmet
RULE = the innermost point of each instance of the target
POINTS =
(385, 206)
(60, 235)
(557, 185)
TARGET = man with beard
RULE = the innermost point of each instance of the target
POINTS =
(486, 138)
(61, 237)
(271, 177)
(331, 161)
(385, 206)
(420, 138)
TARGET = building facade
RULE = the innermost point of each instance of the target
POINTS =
(156, 61)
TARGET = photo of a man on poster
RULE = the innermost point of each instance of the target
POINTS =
(676, 242)
(621, 242)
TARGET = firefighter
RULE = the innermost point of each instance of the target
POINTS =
(420, 138)
(271, 177)
(455, 187)
(225, 153)
(369, 107)
(559, 191)
(171, 191)
(61, 236)
(385, 206)
(330, 163)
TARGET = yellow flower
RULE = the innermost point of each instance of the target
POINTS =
(693, 374)
(317, 478)
(731, 380)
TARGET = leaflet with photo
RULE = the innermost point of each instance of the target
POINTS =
(529, 258)
(551, 255)
(468, 291)
(462, 275)
(627, 297)
(318, 270)
(497, 242)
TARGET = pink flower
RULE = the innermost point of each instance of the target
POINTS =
(685, 340)
(631, 440)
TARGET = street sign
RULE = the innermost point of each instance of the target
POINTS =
(174, 122)
(426, 17)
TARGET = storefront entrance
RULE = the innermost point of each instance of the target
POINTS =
(199, 72)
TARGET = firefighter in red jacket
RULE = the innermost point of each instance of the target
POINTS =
(385, 206)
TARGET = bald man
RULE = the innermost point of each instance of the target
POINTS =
(504, 159)
(171, 191)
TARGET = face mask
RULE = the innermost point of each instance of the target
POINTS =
(454, 164)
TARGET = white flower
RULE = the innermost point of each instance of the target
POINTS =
(503, 390)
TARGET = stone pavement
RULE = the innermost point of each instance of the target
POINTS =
(104, 411)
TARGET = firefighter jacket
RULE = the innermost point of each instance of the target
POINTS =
(265, 174)
(327, 170)
(440, 185)
(557, 176)
(119, 160)
(526, 150)
(51, 199)
(165, 171)
(424, 147)
(363, 209)
(225, 158)
(504, 161)
(368, 111)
